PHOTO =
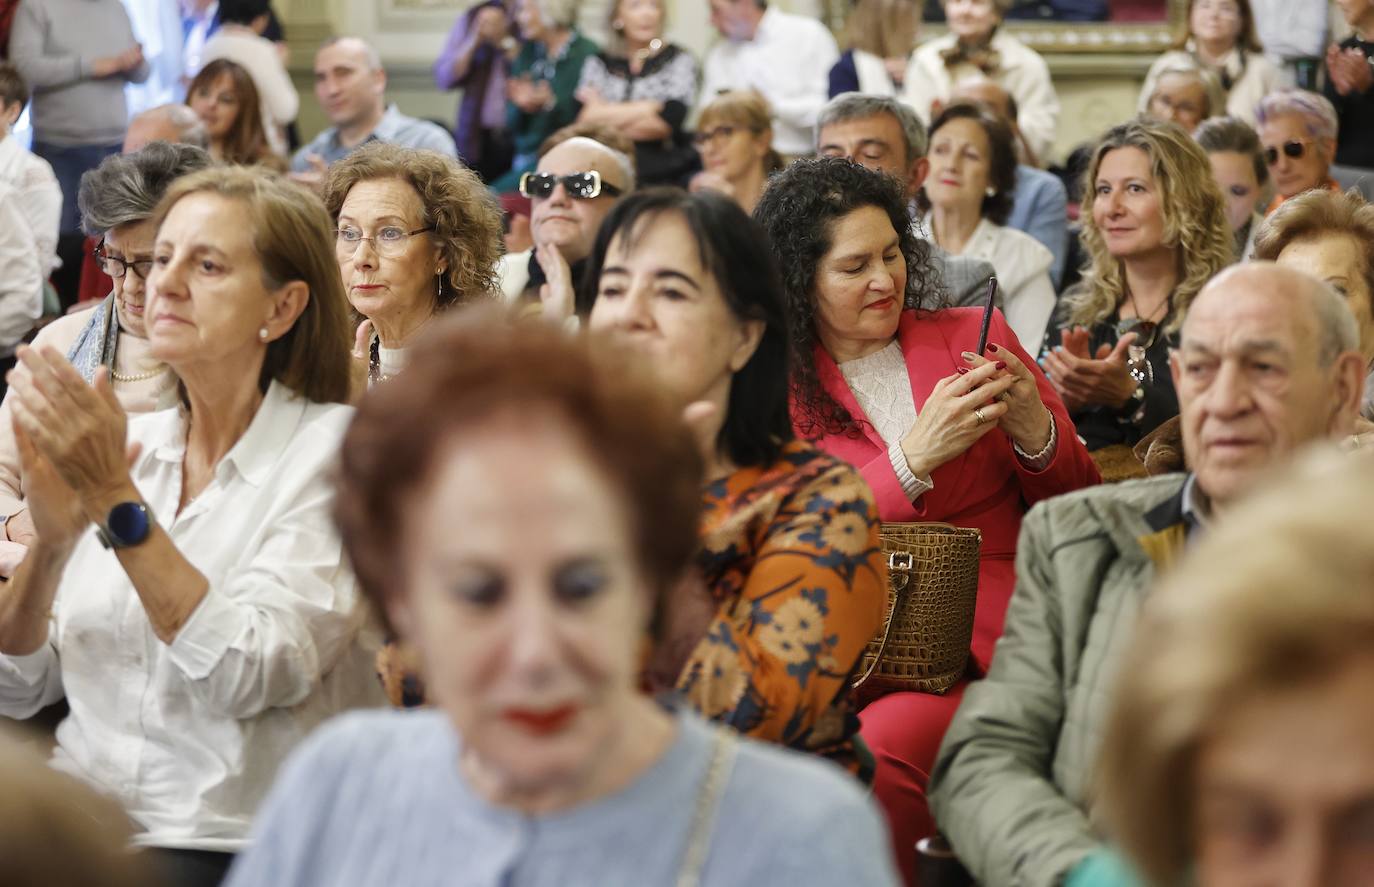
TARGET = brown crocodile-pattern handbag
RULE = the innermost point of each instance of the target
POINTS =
(933, 588)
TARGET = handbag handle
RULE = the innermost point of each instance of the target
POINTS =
(899, 567)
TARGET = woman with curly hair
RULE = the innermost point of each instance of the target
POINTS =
(416, 232)
(226, 101)
(791, 580)
(884, 377)
(1148, 193)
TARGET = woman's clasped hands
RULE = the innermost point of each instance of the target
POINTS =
(72, 444)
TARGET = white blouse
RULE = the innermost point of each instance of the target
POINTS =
(37, 196)
(187, 736)
(1023, 266)
(881, 384)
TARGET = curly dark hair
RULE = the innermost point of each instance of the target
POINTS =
(734, 249)
(797, 211)
(1001, 158)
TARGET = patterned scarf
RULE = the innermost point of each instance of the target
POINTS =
(96, 343)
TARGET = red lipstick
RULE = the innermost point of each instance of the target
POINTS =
(542, 723)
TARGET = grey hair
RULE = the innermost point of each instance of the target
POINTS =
(859, 106)
(190, 128)
(1211, 85)
(559, 13)
(126, 188)
(370, 54)
(1317, 110)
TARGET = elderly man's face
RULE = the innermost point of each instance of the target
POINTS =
(1251, 386)
(1298, 161)
(876, 142)
(566, 221)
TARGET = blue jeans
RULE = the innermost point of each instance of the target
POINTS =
(69, 163)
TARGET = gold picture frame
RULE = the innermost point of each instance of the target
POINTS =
(1052, 38)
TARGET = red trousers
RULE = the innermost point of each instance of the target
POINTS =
(903, 730)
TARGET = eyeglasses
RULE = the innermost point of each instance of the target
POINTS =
(116, 267)
(581, 185)
(1292, 149)
(389, 242)
(709, 136)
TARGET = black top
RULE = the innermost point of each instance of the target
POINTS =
(1356, 114)
(1102, 426)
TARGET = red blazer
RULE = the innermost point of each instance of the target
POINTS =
(987, 486)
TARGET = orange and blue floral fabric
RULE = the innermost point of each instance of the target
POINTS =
(791, 553)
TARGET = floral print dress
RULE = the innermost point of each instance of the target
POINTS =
(790, 552)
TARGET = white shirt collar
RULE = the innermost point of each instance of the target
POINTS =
(254, 454)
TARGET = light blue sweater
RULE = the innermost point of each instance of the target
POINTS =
(375, 799)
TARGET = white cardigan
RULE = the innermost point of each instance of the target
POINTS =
(1023, 265)
(1255, 79)
(1023, 73)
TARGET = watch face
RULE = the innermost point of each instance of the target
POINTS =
(128, 523)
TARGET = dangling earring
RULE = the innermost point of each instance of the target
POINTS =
(262, 334)
(440, 295)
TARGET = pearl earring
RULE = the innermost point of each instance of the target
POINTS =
(262, 334)
(617, 25)
(991, 191)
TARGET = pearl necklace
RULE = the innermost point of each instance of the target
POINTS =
(137, 377)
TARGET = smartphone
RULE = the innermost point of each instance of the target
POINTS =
(987, 317)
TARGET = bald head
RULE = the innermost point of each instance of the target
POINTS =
(987, 92)
(1318, 312)
(1268, 362)
(174, 124)
(350, 84)
(565, 220)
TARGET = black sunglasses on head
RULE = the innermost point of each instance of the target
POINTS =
(581, 185)
(1292, 149)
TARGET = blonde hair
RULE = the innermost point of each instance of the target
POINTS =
(294, 241)
(885, 28)
(463, 212)
(1194, 214)
(744, 108)
(1277, 596)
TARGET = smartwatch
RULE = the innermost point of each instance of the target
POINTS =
(128, 524)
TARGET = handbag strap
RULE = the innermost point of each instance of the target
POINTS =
(899, 567)
(708, 807)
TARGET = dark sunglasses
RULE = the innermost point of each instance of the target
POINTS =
(1293, 149)
(581, 185)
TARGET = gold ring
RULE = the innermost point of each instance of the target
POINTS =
(978, 414)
